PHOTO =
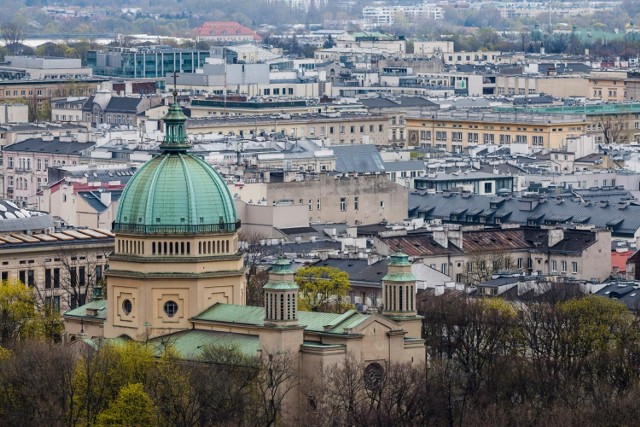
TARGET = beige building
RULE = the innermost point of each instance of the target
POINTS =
(608, 86)
(354, 199)
(81, 205)
(557, 86)
(336, 128)
(454, 131)
(47, 89)
(64, 266)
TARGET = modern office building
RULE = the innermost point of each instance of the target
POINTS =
(145, 62)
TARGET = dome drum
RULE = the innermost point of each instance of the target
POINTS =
(222, 227)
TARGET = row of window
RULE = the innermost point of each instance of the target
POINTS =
(135, 247)
(213, 247)
(52, 277)
(276, 91)
(46, 92)
(25, 163)
(473, 137)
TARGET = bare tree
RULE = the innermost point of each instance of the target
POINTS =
(13, 35)
(276, 378)
(482, 265)
(256, 273)
(615, 129)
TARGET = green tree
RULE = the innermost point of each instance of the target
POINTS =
(133, 407)
(18, 315)
(102, 373)
(322, 289)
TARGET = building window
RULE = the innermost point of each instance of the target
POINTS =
(443, 268)
(170, 308)
(343, 204)
(564, 266)
(574, 267)
(356, 203)
(56, 277)
(127, 306)
(554, 265)
(381, 204)
(310, 205)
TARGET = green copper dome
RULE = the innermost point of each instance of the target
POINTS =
(176, 193)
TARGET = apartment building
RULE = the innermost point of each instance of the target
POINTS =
(455, 131)
(379, 16)
(335, 128)
(240, 106)
(342, 198)
(579, 254)
(47, 89)
(25, 164)
(608, 86)
(608, 123)
(64, 266)
(556, 86)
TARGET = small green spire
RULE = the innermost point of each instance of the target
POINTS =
(399, 258)
(281, 276)
(175, 125)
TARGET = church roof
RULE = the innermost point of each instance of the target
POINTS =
(190, 343)
(330, 323)
(92, 311)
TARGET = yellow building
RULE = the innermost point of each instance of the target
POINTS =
(455, 131)
(609, 86)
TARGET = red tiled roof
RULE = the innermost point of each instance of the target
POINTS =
(619, 259)
(219, 29)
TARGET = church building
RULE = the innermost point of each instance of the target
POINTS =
(176, 274)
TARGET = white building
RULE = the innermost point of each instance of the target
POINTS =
(379, 16)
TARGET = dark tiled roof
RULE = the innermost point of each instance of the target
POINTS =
(359, 270)
(627, 293)
(123, 104)
(93, 198)
(38, 145)
(514, 210)
(358, 158)
(410, 165)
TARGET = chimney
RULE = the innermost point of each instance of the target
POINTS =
(105, 197)
(556, 235)
(441, 237)
(439, 290)
(455, 237)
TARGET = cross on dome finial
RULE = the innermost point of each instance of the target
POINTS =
(175, 86)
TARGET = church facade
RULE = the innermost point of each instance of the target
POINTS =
(177, 275)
